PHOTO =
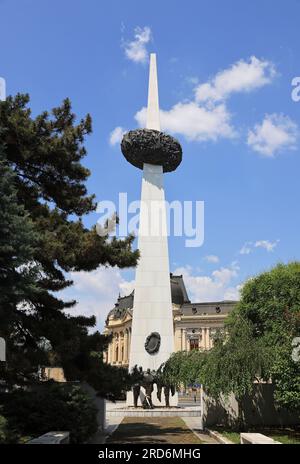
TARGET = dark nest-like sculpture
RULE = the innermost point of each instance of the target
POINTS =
(152, 147)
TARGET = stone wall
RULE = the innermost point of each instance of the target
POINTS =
(254, 411)
(99, 404)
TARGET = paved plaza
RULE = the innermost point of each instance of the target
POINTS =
(157, 430)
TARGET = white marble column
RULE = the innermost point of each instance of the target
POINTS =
(152, 298)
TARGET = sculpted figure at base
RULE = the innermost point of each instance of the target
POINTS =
(163, 385)
(137, 376)
(147, 380)
(167, 390)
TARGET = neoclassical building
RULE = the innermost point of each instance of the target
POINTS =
(195, 324)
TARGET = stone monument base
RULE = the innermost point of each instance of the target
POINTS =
(156, 412)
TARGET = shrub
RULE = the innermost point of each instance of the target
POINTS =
(50, 407)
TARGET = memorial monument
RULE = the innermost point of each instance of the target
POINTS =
(149, 149)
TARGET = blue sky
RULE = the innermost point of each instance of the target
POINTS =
(225, 70)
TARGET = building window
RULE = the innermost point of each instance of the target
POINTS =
(194, 344)
(218, 309)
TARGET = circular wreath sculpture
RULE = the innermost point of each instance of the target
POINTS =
(152, 343)
(153, 147)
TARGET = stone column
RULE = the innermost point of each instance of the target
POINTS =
(204, 338)
(115, 349)
(207, 338)
(183, 338)
(152, 298)
(112, 351)
(119, 348)
(129, 344)
(122, 349)
(188, 343)
(112, 347)
(109, 360)
(177, 339)
(126, 346)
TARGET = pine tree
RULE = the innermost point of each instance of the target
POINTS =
(45, 153)
(18, 273)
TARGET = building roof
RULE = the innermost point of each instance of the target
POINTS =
(121, 306)
(207, 308)
(179, 297)
(178, 290)
(178, 293)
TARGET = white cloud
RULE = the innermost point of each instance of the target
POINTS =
(266, 244)
(194, 122)
(116, 135)
(224, 275)
(233, 293)
(193, 80)
(248, 247)
(211, 258)
(207, 117)
(136, 50)
(242, 76)
(126, 287)
(276, 133)
(96, 292)
(213, 287)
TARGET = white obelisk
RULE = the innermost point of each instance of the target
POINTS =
(152, 311)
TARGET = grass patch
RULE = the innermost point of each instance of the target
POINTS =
(229, 434)
(288, 436)
(285, 435)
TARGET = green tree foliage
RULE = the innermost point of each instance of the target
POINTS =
(184, 368)
(235, 361)
(270, 302)
(110, 381)
(49, 407)
(45, 154)
(259, 343)
(18, 272)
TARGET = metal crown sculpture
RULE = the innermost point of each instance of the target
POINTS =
(152, 147)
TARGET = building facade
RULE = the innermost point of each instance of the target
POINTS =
(195, 324)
